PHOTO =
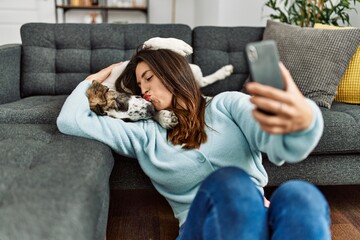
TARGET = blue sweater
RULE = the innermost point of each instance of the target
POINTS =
(234, 139)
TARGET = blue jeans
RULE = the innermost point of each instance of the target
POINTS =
(229, 206)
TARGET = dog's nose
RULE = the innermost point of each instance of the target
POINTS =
(151, 109)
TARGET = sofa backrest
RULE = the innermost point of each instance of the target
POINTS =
(56, 57)
(218, 46)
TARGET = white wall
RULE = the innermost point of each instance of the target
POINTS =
(206, 13)
(355, 17)
(242, 14)
(185, 11)
(14, 13)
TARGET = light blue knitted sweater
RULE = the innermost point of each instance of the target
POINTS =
(234, 139)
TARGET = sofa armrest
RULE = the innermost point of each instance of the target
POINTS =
(10, 61)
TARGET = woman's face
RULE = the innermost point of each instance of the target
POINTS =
(152, 88)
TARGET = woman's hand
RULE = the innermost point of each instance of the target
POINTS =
(102, 74)
(291, 112)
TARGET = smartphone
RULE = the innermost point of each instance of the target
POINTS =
(263, 60)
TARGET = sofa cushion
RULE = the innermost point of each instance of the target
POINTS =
(341, 130)
(56, 57)
(52, 186)
(36, 109)
(316, 58)
(215, 47)
(348, 90)
(10, 58)
(325, 169)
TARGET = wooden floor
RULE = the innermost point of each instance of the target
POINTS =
(145, 215)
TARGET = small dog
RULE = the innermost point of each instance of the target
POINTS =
(105, 100)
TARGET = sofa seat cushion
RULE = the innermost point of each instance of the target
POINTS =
(341, 131)
(326, 169)
(36, 109)
(52, 186)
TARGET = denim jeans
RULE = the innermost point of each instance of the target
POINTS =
(229, 206)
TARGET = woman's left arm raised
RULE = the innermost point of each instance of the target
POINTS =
(295, 125)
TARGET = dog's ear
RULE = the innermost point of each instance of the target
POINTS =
(122, 104)
(94, 88)
(99, 110)
(100, 87)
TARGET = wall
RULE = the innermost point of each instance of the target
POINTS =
(355, 17)
(229, 13)
(14, 13)
(240, 13)
(206, 13)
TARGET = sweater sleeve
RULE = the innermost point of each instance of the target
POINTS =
(77, 119)
(280, 148)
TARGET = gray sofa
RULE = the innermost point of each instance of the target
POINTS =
(54, 186)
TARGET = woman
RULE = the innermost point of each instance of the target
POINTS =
(209, 166)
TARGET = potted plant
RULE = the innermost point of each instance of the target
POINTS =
(306, 13)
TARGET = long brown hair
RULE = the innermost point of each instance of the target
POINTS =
(175, 73)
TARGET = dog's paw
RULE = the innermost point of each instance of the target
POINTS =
(167, 119)
(228, 69)
(225, 71)
(173, 44)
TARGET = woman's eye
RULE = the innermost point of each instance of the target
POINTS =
(149, 78)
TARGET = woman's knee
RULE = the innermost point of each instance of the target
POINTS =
(299, 210)
(302, 194)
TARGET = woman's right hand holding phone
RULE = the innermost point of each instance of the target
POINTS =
(290, 111)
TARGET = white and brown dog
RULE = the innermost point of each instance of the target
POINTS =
(105, 100)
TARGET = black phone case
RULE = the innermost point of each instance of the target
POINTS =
(263, 61)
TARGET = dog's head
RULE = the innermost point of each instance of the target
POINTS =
(105, 101)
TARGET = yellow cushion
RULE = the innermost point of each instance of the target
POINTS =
(349, 88)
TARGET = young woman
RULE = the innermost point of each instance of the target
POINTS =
(209, 167)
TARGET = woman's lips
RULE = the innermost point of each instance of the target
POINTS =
(147, 97)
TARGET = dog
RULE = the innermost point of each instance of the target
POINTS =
(105, 100)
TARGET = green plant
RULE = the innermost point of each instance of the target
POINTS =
(306, 13)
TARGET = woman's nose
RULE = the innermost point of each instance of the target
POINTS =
(144, 89)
